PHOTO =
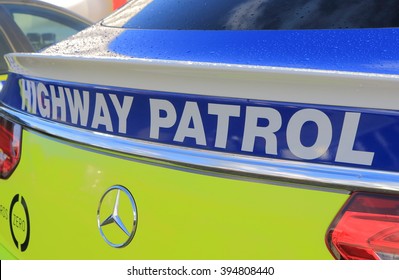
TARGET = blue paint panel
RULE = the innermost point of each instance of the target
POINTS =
(376, 132)
(355, 50)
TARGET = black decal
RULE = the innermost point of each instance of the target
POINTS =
(25, 243)
(13, 202)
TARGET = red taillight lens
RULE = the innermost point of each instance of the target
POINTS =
(118, 3)
(367, 227)
(10, 147)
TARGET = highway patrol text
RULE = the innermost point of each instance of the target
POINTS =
(259, 129)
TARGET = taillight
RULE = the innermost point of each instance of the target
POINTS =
(10, 147)
(118, 3)
(367, 227)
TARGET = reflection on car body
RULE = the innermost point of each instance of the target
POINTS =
(214, 130)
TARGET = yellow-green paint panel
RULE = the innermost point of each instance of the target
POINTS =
(181, 215)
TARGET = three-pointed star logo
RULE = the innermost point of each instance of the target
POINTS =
(114, 217)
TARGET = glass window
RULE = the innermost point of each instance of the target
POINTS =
(44, 27)
(257, 14)
(4, 49)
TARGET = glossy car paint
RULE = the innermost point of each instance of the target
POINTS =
(176, 208)
(181, 215)
(188, 211)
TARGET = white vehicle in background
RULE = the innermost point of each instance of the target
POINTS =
(93, 10)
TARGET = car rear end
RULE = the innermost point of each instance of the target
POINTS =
(200, 144)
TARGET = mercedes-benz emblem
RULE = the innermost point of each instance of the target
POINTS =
(117, 217)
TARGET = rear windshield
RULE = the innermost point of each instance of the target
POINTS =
(256, 14)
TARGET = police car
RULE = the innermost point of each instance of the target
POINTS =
(207, 130)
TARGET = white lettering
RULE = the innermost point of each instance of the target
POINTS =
(223, 113)
(43, 100)
(345, 152)
(157, 122)
(58, 102)
(79, 109)
(28, 95)
(252, 130)
(191, 113)
(122, 110)
(324, 134)
(260, 124)
(101, 113)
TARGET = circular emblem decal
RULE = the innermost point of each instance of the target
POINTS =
(19, 222)
(117, 217)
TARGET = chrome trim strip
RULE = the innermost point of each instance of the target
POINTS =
(215, 163)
